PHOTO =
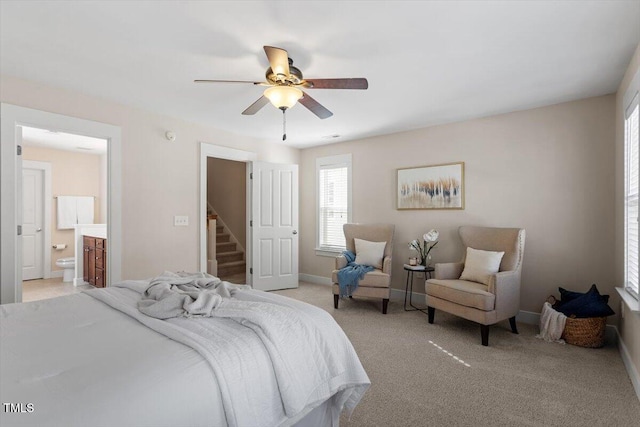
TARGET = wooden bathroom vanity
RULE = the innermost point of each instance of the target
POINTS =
(95, 261)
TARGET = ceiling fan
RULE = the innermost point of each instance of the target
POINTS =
(285, 83)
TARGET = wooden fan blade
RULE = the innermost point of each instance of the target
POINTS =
(314, 106)
(228, 81)
(278, 59)
(355, 83)
(256, 106)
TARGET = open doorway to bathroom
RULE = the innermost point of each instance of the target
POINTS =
(64, 182)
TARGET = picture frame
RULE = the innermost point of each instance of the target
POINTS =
(431, 187)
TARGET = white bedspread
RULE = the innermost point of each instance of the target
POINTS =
(254, 366)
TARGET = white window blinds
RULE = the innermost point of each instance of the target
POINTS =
(334, 176)
(632, 185)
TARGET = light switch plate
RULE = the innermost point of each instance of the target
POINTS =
(180, 220)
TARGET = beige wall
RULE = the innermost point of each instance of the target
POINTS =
(72, 174)
(160, 179)
(549, 170)
(227, 194)
(630, 324)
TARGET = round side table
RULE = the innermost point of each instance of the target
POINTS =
(411, 269)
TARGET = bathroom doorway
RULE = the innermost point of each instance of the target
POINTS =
(58, 166)
(13, 119)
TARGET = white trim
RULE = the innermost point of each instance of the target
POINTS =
(628, 364)
(337, 160)
(328, 253)
(630, 93)
(532, 318)
(13, 117)
(629, 300)
(220, 152)
(46, 217)
(417, 298)
(528, 317)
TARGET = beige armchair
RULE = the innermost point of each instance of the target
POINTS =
(376, 283)
(485, 304)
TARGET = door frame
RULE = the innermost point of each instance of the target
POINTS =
(13, 117)
(221, 152)
(46, 215)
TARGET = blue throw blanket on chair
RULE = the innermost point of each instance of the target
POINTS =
(349, 276)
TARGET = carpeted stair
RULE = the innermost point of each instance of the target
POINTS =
(230, 258)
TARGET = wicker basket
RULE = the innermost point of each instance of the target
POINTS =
(587, 332)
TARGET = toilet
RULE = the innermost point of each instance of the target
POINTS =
(69, 268)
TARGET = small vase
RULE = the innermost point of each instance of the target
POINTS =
(426, 261)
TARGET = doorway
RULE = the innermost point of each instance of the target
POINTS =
(271, 218)
(215, 152)
(227, 204)
(14, 118)
(75, 167)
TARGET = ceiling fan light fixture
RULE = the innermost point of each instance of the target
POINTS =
(283, 97)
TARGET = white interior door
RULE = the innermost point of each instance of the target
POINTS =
(274, 233)
(32, 224)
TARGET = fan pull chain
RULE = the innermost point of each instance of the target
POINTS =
(284, 124)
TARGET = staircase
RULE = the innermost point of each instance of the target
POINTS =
(230, 259)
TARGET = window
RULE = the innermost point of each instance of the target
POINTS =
(333, 177)
(632, 185)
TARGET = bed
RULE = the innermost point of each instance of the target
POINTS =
(254, 359)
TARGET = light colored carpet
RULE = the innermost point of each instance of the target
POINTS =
(517, 380)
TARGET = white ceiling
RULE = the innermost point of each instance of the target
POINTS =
(36, 137)
(427, 62)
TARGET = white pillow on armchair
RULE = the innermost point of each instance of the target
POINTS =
(369, 253)
(480, 265)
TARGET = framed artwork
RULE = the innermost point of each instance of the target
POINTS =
(431, 187)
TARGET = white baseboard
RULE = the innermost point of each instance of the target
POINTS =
(417, 298)
(527, 317)
(56, 273)
(77, 281)
(531, 318)
(628, 364)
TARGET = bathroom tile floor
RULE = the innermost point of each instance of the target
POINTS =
(34, 290)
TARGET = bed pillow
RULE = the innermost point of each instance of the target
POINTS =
(480, 265)
(369, 253)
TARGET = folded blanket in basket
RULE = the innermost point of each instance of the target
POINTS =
(551, 324)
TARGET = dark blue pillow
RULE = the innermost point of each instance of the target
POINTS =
(591, 304)
(566, 296)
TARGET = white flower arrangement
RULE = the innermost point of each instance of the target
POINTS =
(429, 241)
